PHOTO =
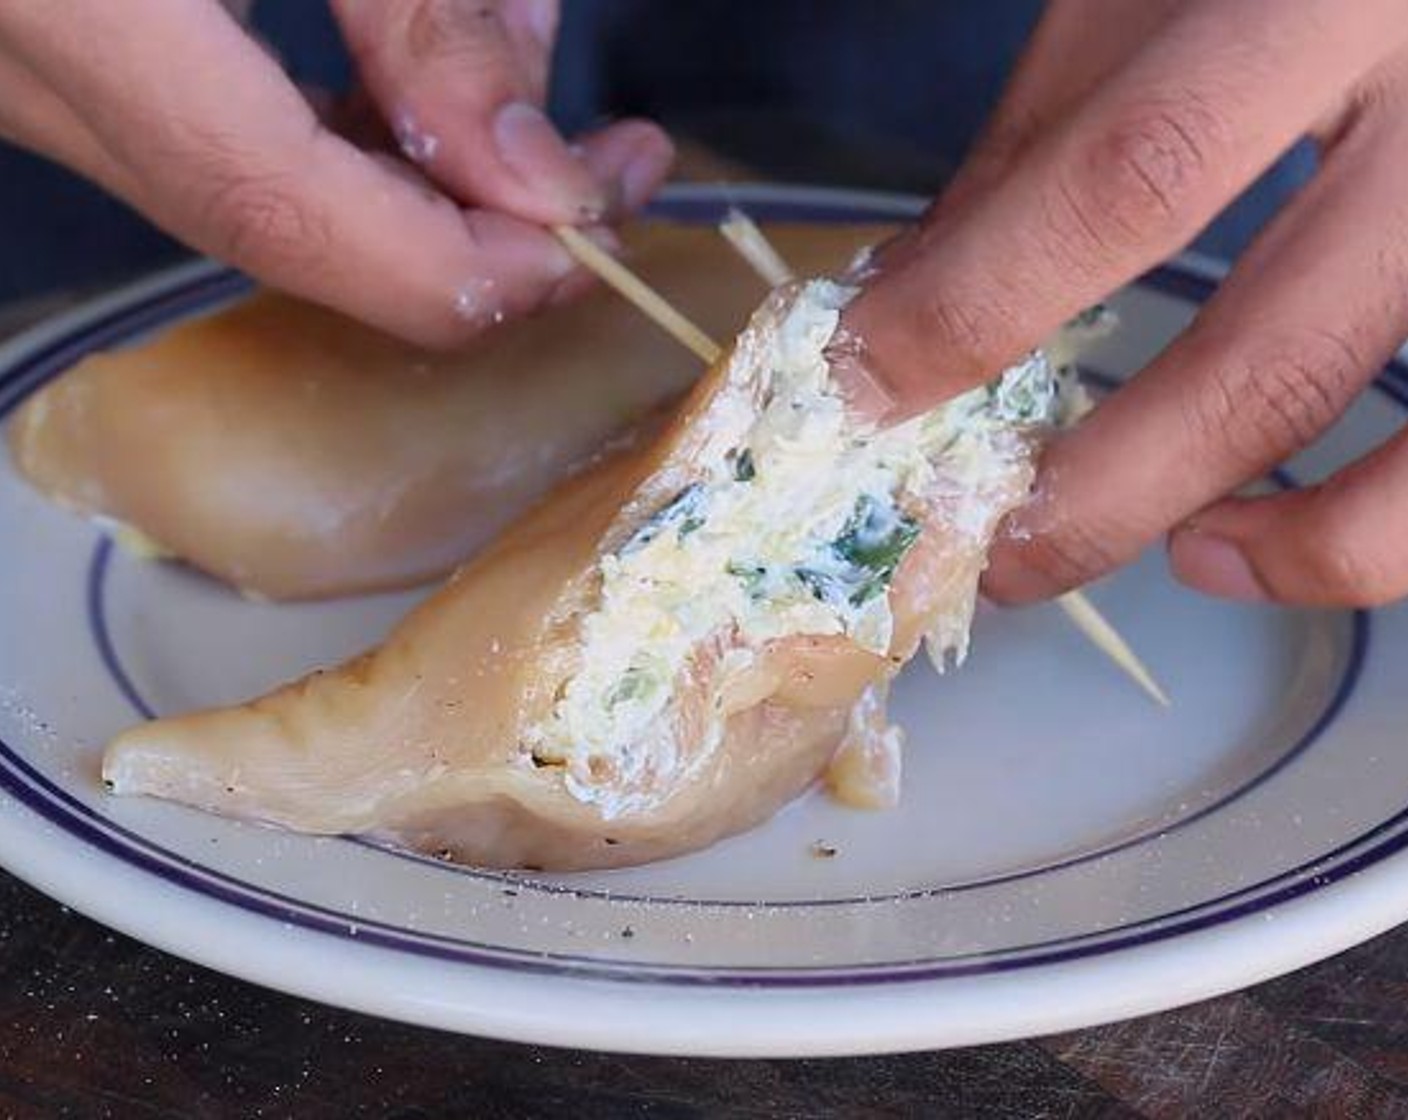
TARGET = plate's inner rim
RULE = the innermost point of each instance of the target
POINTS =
(1159, 828)
(189, 294)
(1372, 846)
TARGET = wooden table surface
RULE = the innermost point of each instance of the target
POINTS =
(93, 1024)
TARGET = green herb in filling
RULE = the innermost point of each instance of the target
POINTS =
(822, 586)
(682, 511)
(751, 575)
(873, 543)
(854, 568)
(1095, 316)
(634, 684)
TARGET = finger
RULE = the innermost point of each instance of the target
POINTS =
(630, 158)
(491, 229)
(34, 117)
(531, 26)
(1311, 313)
(1075, 46)
(634, 157)
(1131, 175)
(1340, 544)
(605, 152)
(255, 180)
(447, 74)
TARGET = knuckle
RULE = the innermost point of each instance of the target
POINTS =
(1277, 397)
(1379, 99)
(1141, 178)
(957, 326)
(1304, 382)
(1336, 571)
(263, 223)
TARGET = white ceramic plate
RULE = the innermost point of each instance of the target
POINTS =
(1066, 852)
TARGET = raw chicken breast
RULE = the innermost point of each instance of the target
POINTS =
(295, 454)
(672, 646)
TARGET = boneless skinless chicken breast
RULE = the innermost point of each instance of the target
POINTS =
(669, 648)
(296, 454)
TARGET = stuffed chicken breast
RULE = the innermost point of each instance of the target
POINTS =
(668, 649)
(295, 454)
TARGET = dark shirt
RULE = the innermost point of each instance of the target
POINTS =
(882, 94)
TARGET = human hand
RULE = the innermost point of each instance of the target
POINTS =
(1126, 128)
(172, 106)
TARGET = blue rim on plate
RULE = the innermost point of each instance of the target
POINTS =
(32, 789)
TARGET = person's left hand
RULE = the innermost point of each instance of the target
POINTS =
(174, 107)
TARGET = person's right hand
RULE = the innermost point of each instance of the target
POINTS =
(172, 106)
(1127, 127)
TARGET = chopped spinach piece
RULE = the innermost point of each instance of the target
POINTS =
(947, 445)
(873, 543)
(683, 510)
(868, 589)
(1094, 317)
(821, 585)
(751, 575)
(744, 469)
(876, 537)
(1020, 397)
(861, 561)
(634, 684)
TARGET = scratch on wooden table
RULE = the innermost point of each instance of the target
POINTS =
(1227, 1057)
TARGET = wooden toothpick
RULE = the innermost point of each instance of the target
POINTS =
(655, 307)
(1107, 639)
(753, 246)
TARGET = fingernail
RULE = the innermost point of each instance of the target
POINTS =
(534, 151)
(643, 173)
(1010, 579)
(1215, 565)
(867, 396)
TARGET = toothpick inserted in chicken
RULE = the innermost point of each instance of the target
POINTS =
(1107, 639)
(638, 292)
(753, 246)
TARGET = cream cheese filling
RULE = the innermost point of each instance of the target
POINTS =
(793, 523)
